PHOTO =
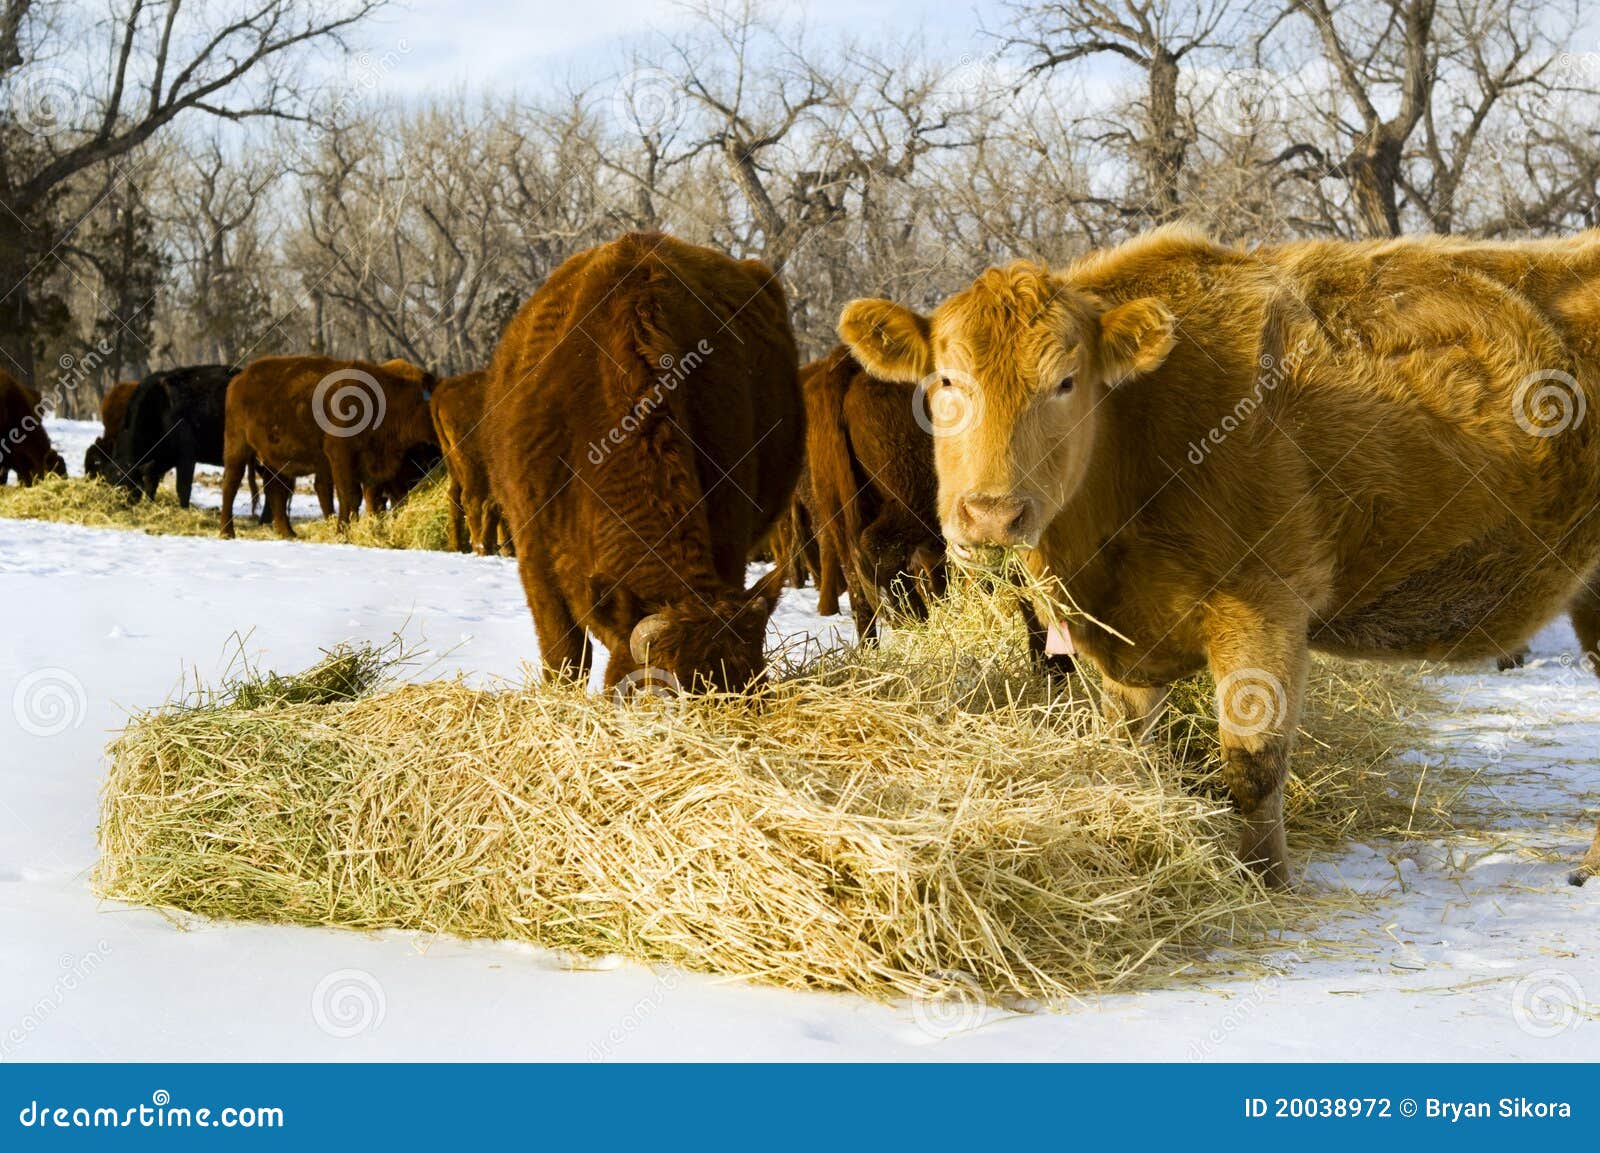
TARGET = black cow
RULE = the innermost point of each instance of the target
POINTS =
(174, 422)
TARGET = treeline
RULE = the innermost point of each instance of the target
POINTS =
(274, 218)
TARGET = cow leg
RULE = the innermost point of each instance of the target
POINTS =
(563, 643)
(1591, 863)
(1260, 666)
(495, 534)
(457, 525)
(830, 574)
(185, 480)
(1585, 615)
(491, 527)
(477, 518)
(279, 488)
(346, 485)
(232, 473)
(322, 482)
(1134, 710)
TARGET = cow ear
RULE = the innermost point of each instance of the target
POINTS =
(890, 341)
(768, 589)
(1135, 338)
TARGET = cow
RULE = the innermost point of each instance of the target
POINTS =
(648, 429)
(349, 424)
(99, 459)
(803, 552)
(174, 421)
(873, 487)
(1230, 458)
(457, 418)
(419, 461)
(24, 444)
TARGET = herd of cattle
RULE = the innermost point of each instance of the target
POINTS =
(1225, 457)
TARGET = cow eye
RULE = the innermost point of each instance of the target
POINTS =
(944, 382)
(1064, 386)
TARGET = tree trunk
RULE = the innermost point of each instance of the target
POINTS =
(1166, 151)
(16, 329)
(1374, 175)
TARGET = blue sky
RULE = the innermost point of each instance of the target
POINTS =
(531, 43)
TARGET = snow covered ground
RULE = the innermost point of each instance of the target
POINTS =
(1472, 951)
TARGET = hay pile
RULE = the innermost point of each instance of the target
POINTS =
(884, 821)
(421, 521)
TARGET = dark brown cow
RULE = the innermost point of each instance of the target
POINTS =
(347, 423)
(24, 444)
(647, 429)
(99, 460)
(457, 413)
(873, 488)
(804, 553)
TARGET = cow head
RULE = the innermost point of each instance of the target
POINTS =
(417, 419)
(1011, 372)
(718, 644)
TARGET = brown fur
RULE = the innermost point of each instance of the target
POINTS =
(457, 422)
(271, 421)
(633, 490)
(24, 444)
(99, 457)
(873, 487)
(1368, 491)
(805, 553)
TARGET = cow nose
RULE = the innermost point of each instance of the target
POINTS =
(996, 519)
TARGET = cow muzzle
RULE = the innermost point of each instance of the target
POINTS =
(984, 519)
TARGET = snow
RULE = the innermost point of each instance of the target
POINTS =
(1463, 949)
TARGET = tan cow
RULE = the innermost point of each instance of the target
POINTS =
(1230, 458)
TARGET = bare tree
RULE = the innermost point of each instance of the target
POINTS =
(1418, 83)
(166, 58)
(1158, 38)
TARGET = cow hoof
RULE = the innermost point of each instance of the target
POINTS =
(1577, 877)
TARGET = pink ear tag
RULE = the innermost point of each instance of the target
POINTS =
(1058, 641)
